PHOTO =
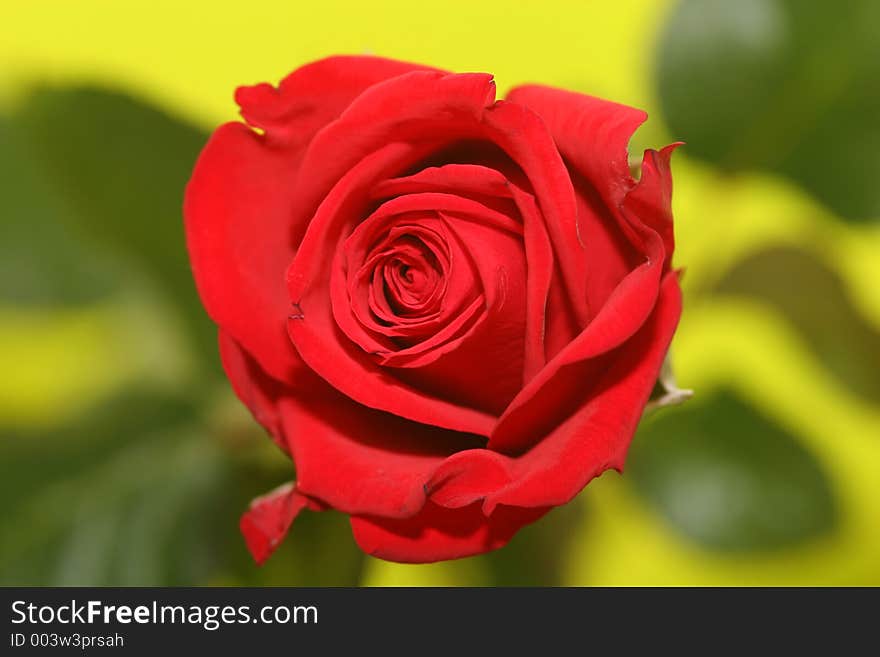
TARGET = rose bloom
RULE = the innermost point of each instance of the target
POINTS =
(449, 310)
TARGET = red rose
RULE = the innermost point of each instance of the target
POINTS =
(450, 310)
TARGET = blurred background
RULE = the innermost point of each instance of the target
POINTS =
(126, 460)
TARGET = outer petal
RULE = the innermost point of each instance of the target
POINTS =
(362, 461)
(237, 228)
(563, 377)
(438, 533)
(594, 438)
(651, 201)
(258, 391)
(592, 134)
(425, 104)
(523, 135)
(644, 216)
(269, 517)
(239, 206)
(611, 251)
(314, 95)
(598, 435)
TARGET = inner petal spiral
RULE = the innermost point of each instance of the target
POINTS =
(409, 287)
(411, 279)
(432, 283)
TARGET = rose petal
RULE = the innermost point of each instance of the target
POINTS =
(239, 205)
(426, 248)
(622, 316)
(611, 248)
(269, 517)
(597, 437)
(418, 99)
(448, 338)
(474, 180)
(313, 328)
(442, 363)
(465, 103)
(468, 476)
(651, 200)
(258, 391)
(237, 228)
(523, 135)
(362, 461)
(592, 134)
(438, 533)
(497, 342)
(314, 95)
(593, 438)
(416, 215)
(469, 180)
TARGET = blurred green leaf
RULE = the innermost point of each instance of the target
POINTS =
(123, 165)
(41, 262)
(534, 557)
(729, 478)
(145, 492)
(33, 457)
(75, 494)
(814, 300)
(781, 85)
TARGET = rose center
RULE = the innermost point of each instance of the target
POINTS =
(406, 288)
(410, 276)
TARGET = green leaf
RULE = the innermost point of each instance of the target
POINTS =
(122, 166)
(143, 491)
(31, 457)
(814, 300)
(74, 494)
(729, 478)
(779, 85)
(41, 262)
(534, 557)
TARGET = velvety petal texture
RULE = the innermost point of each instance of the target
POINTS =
(448, 309)
(264, 525)
(438, 533)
